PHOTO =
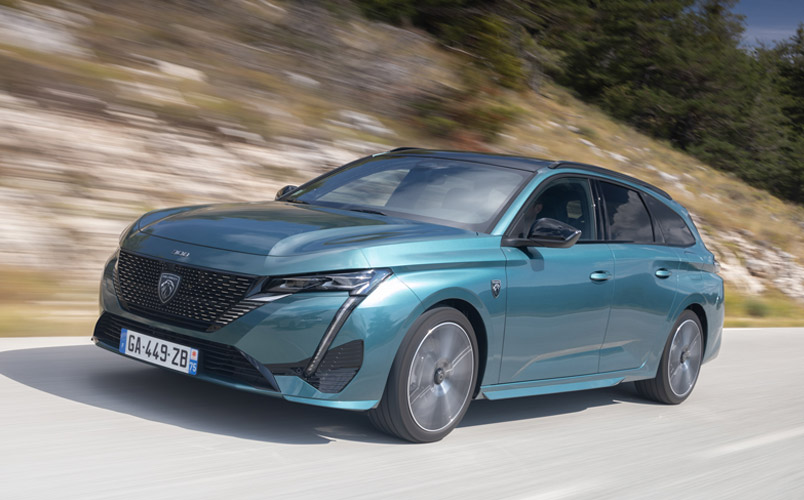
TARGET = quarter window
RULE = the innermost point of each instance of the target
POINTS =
(627, 217)
(673, 228)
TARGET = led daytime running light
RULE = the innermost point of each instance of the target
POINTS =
(359, 283)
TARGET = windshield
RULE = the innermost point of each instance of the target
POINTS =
(453, 193)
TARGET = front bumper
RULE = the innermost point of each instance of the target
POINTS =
(266, 350)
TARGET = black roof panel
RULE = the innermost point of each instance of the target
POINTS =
(518, 162)
(510, 161)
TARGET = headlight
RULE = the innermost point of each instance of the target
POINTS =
(359, 283)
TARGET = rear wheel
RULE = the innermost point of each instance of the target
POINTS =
(432, 378)
(680, 363)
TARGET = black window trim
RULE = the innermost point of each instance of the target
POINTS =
(606, 219)
(654, 223)
(661, 230)
(603, 232)
(541, 188)
(599, 207)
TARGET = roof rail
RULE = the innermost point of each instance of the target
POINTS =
(403, 148)
(612, 173)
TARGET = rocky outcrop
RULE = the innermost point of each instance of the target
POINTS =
(753, 266)
(71, 184)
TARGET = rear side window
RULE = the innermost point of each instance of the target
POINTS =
(675, 230)
(627, 217)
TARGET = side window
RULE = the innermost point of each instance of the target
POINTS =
(627, 217)
(568, 200)
(675, 230)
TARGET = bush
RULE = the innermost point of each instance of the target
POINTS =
(471, 109)
(391, 11)
(756, 308)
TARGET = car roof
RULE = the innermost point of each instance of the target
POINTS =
(520, 163)
(510, 161)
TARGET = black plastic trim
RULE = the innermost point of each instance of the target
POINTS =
(337, 369)
(198, 316)
(332, 331)
(216, 360)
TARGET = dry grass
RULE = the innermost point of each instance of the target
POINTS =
(771, 309)
(36, 304)
(553, 124)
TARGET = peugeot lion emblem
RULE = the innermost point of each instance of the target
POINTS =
(496, 286)
(168, 285)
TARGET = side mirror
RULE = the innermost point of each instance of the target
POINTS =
(546, 233)
(285, 190)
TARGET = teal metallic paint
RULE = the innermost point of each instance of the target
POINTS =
(285, 330)
(557, 315)
(468, 264)
(289, 329)
(532, 352)
(284, 229)
(290, 385)
(642, 306)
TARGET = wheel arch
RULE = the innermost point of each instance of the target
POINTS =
(481, 334)
(699, 311)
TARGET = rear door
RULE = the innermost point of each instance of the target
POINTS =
(645, 280)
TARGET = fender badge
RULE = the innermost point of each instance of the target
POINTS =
(496, 286)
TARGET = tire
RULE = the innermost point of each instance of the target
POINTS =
(432, 379)
(680, 364)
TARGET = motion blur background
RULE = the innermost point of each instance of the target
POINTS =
(111, 109)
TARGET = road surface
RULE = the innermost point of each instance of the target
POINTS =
(79, 422)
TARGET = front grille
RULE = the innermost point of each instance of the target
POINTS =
(215, 359)
(205, 300)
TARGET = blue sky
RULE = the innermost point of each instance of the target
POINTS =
(770, 20)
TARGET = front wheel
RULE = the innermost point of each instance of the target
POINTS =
(432, 379)
(680, 363)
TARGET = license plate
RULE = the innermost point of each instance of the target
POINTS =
(159, 352)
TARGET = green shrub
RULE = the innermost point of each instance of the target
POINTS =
(470, 109)
(391, 11)
(756, 308)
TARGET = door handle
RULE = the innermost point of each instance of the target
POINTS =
(663, 273)
(600, 276)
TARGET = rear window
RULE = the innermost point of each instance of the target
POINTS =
(673, 228)
(627, 217)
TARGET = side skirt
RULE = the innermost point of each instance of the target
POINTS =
(556, 385)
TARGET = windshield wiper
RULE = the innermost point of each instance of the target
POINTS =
(300, 202)
(366, 211)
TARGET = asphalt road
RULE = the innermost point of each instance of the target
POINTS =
(79, 422)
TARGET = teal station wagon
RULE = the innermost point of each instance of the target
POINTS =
(410, 282)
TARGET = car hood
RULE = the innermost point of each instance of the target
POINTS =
(285, 229)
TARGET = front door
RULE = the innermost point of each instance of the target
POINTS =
(558, 298)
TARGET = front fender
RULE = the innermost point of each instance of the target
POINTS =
(476, 290)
